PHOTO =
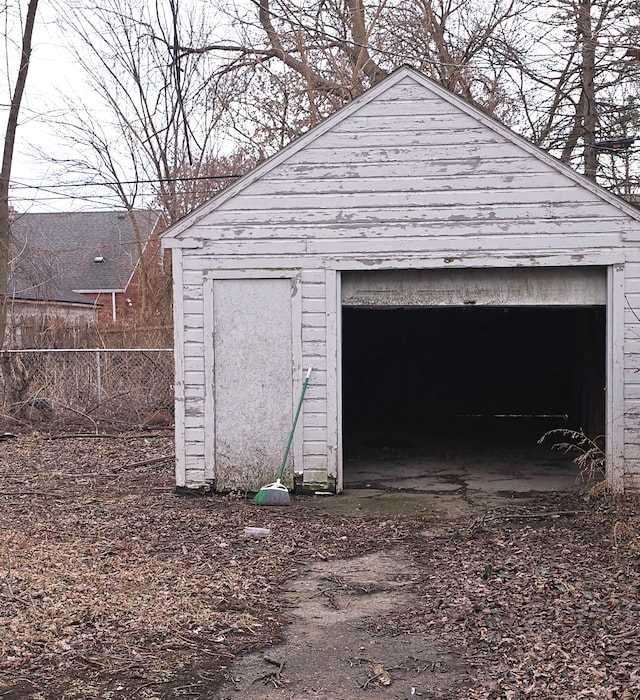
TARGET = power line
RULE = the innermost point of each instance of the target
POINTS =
(24, 185)
(104, 197)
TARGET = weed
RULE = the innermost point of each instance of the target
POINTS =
(588, 454)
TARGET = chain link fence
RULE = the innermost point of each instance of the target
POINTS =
(101, 389)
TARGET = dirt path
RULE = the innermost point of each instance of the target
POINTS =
(336, 646)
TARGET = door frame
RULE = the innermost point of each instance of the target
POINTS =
(615, 332)
(294, 275)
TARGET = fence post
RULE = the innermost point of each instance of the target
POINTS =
(99, 368)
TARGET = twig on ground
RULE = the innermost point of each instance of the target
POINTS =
(273, 677)
(148, 685)
(480, 521)
(381, 674)
(82, 436)
(146, 462)
(53, 494)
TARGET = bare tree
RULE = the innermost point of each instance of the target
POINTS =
(572, 79)
(7, 160)
(145, 111)
(178, 92)
(310, 58)
(546, 69)
(146, 114)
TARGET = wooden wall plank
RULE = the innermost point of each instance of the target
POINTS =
(409, 180)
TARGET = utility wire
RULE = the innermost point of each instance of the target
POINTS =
(177, 75)
(113, 195)
(203, 178)
(24, 185)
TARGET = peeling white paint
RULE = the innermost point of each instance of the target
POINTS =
(406, 177)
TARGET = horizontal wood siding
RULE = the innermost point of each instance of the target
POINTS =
(407, 175)
(194, 384)
(632, 368)
(314, 336)
(519, 229)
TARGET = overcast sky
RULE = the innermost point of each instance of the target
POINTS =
(52, 72)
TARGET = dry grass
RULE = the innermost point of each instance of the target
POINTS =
(94, 390)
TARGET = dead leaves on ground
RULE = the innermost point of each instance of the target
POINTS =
(112, 585)
(554, 607)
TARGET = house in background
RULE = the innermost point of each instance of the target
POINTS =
(79, 264)
(445, 279)
(27, 307)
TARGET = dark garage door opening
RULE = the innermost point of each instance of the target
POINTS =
(465, 383)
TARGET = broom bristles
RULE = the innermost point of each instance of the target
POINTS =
(275, 494)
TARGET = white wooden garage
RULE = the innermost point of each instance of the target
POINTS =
(433, 267)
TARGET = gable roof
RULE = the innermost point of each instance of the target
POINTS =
(57, 255)
(378, 90)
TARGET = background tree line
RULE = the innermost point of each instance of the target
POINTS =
(207, 89)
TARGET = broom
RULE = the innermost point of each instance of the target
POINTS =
(277, 494)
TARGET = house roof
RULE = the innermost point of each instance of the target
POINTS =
(20, 287)
(176, 230)
(57, 255)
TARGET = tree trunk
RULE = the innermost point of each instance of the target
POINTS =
(590, 116)
(7, 159)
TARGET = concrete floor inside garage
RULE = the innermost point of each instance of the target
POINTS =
(456, 399)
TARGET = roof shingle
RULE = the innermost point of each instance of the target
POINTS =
(56, 255)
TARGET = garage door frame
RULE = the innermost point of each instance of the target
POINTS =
(615, 303)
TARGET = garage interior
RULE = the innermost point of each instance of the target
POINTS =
(450, 397)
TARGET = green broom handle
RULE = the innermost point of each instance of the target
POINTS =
(295, 422)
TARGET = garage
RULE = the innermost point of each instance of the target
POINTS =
(457, 291)
(447, 369)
